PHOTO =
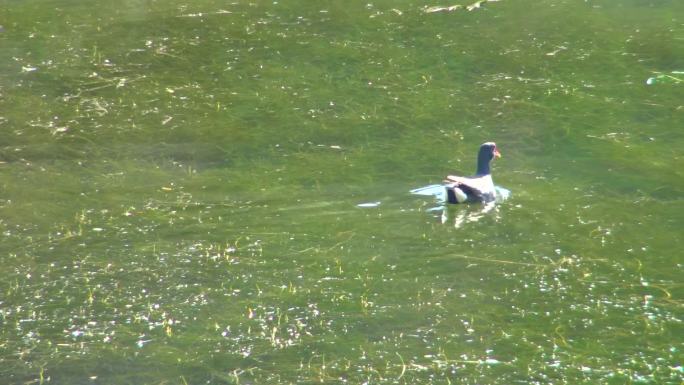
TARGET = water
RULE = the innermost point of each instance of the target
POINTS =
(181, 186)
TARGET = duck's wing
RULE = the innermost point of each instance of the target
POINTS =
(474, 184)
(482, 188)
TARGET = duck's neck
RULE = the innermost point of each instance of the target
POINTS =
(483, 165)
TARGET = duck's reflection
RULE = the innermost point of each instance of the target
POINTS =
(461, 214)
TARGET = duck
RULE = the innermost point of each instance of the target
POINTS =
(479, 187)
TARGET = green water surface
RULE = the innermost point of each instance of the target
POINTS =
(180, 181)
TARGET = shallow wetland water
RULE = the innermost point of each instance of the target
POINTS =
(180, 186)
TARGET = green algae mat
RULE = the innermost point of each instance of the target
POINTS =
(217, 192)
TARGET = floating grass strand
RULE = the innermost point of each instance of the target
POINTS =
(493, 260)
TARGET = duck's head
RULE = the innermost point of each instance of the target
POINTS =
(488, 151)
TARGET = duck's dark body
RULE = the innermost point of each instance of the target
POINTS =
(472, 195)
(478, 188)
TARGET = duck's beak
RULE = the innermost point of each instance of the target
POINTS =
(497, 154)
